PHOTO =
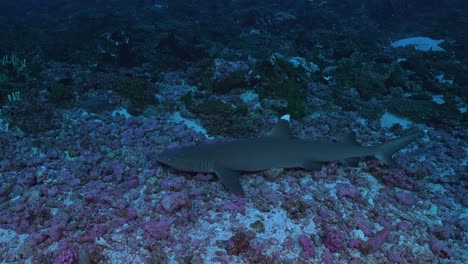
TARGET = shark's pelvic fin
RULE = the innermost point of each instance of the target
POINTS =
(351, 161)
(312, 165)
(387, 149)
(230, 179)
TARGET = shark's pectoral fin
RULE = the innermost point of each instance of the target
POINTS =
(230, 179)
(312, 165)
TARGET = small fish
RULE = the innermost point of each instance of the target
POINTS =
(279, 149)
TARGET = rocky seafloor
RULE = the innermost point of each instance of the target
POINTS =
(92, 191)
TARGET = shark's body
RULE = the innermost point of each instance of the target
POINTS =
(278, 150)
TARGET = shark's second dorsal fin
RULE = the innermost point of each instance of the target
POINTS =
(281, 129)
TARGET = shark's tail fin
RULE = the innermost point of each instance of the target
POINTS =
(387, 149)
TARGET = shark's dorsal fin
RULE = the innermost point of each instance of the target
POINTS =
(281, 129)
(351, 139)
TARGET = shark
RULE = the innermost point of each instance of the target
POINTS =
(278, 149)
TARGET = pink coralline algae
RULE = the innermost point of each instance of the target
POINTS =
(96, 178)
(174, 201)
(27, 180)
(347, 191)
(239, 243)
(440, 249)
(157, 229)
(204, 177)
(327, 257)
(92, 232)
(404, 226)
(235, 206)
(308, 248)
(405, 198)
(399, 255)
(334, 239)
(67, 257)
(354, 243)
(362, 223)
(173, 183)
(376, 242)
(444, 231)
(464, 199)
(56, 230)
(98, 198)
(398, 178)
(322, 215)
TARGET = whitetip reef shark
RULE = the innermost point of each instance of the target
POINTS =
(279, 149)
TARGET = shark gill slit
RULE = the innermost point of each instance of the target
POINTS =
(205, 164)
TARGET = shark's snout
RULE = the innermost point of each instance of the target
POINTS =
(163, 158)
(167, 157)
